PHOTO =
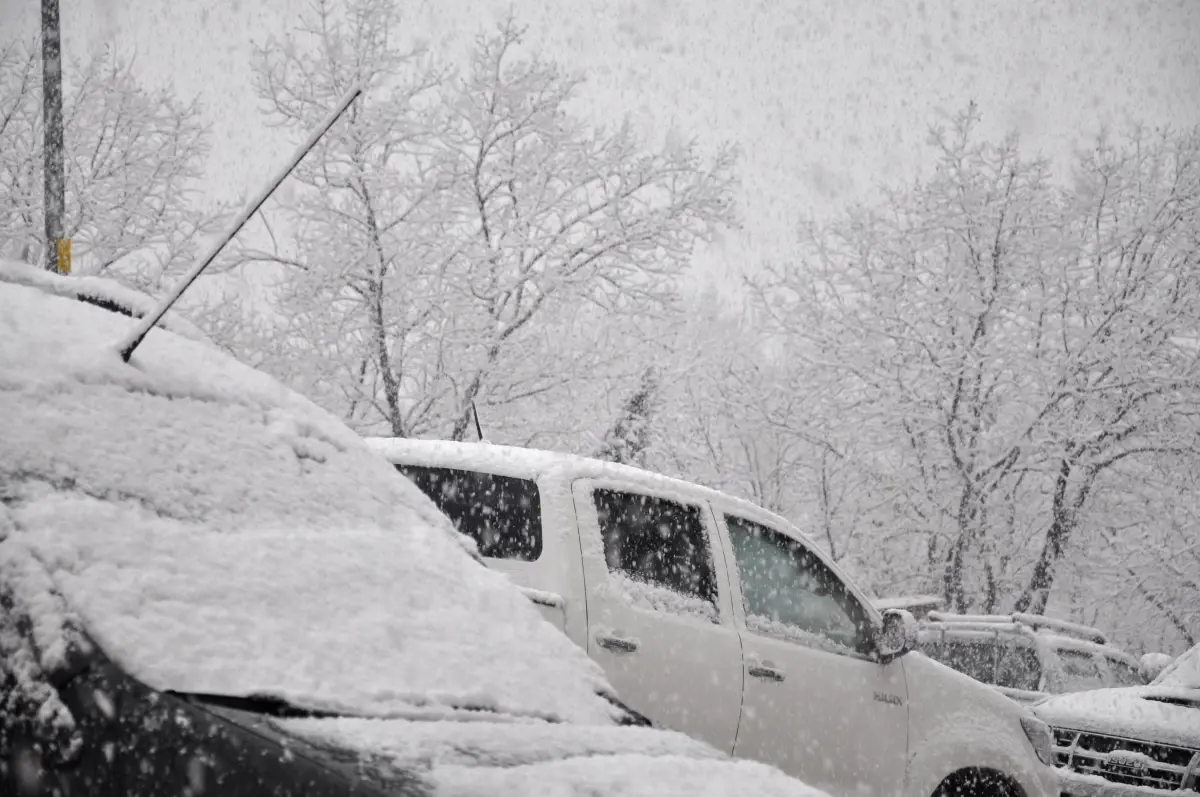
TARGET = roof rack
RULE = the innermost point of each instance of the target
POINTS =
(1033, 621)
(918, 605)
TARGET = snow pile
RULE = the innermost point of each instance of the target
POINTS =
(467, 759)
(96, 289)
(661, 599)
(218, 532)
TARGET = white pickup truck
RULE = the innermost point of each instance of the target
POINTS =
(716, 618)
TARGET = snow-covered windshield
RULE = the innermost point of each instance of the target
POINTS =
(1184, 672)
(216, 532)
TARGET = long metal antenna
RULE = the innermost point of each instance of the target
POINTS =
(150, 319)
(475, 412)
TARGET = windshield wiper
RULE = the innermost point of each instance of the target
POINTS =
(257, 704)
(1174, 701)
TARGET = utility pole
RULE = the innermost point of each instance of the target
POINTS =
(58, 251)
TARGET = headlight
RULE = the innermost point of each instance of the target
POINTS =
(1040, 737)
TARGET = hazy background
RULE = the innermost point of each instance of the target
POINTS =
(826, 97)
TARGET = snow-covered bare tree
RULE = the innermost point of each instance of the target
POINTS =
(455, 220)
(557, 211)
(999, 348)
(905, 312)
(1118, 328)
(357, 289)
(133, 156)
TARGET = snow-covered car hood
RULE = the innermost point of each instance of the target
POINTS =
(465, 759)
(217, 532)
(100, 291)
(1166, 714)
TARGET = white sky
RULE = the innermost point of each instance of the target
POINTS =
(826, 97)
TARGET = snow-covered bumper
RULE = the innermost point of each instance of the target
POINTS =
(1075, 784)
(1096, 765)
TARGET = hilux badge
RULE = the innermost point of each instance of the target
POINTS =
(884, 697)
(1126, 760)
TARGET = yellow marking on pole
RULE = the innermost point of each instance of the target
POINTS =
(64, 255)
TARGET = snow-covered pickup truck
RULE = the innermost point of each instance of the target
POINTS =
(1136, 741)
(210, 586)
(716, 618)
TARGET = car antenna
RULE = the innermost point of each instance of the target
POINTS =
(475, 413)
(148, 321)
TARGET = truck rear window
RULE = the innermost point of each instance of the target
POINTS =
(502, 514)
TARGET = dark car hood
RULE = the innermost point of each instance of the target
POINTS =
(494, 757)
(1170, 715)
(358, 766)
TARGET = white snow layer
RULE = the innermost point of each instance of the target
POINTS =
(661, 599)
(96, 288)
(1163, 714)
(218, 532)
(467, 759)
(628, 775)
(531, 463)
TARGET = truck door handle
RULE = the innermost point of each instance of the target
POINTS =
(617, 643)
(769, 673)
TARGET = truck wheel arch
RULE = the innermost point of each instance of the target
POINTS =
(982, 781)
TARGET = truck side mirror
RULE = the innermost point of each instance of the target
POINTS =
(897, 636)
(1152, 664)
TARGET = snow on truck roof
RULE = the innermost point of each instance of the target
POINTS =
(531, 463)
(217, 532)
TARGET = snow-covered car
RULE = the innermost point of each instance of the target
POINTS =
(208, 585)
(716, 618)
(1027, 657)
(1141, 741)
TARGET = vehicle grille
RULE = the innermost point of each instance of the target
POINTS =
(1128, 761)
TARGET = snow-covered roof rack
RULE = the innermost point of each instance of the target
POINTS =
(919, 605)
(1033, 621)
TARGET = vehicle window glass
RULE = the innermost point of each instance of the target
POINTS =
(973, 657)
(1124, 674)
(501, 513)
(1081, 671)
(1017, 666)
(658, 552)
(789, 592)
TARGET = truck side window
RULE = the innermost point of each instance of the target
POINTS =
(1124, 674)
(658, 542)
(501, 513)
(790, 593)
(1080, 670)
(972, 655)
(1018, 665)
